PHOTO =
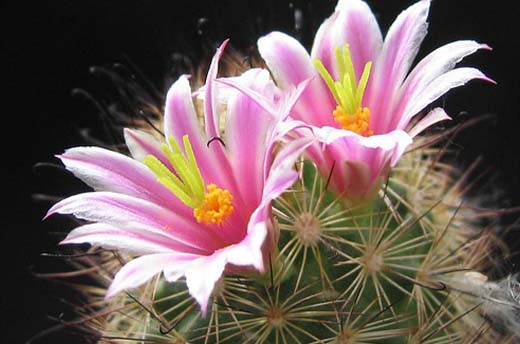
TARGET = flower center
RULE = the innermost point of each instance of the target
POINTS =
(357, 123)
(216, 207)
(348, 92)
(212, 206)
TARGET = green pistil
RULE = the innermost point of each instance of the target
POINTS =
(187, 184)
(347, 92)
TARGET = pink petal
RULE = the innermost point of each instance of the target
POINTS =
(279, 109)
(386, 142)
(279, 106)
(180, 117)
(438, 87)
(399, 50)
(202, 272)
(431, 67)
(142, 269)
(210, 97)
(217, 167)
(105, 170)
(360, 163)
(142, 144)
(352, 23)
(434, 116)
(439, 62)
(249, 251)
(282, 174)
(361, 180)
(135, 239)
(291, 65)
(286, 58)
(249, 123)
(202, 275)
(122, 211)
(304, 130)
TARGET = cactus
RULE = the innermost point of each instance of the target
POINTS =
(408, 264)
(407, 268)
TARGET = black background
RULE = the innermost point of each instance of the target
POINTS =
(50, 45)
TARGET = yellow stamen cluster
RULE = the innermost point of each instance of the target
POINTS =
(357, 123)
(217, 206)
(213, 206)
(348, 92)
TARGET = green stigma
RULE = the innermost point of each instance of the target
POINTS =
(347, 92)
(187, 184)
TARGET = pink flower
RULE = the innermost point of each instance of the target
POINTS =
(362, 95)
(192, 206)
